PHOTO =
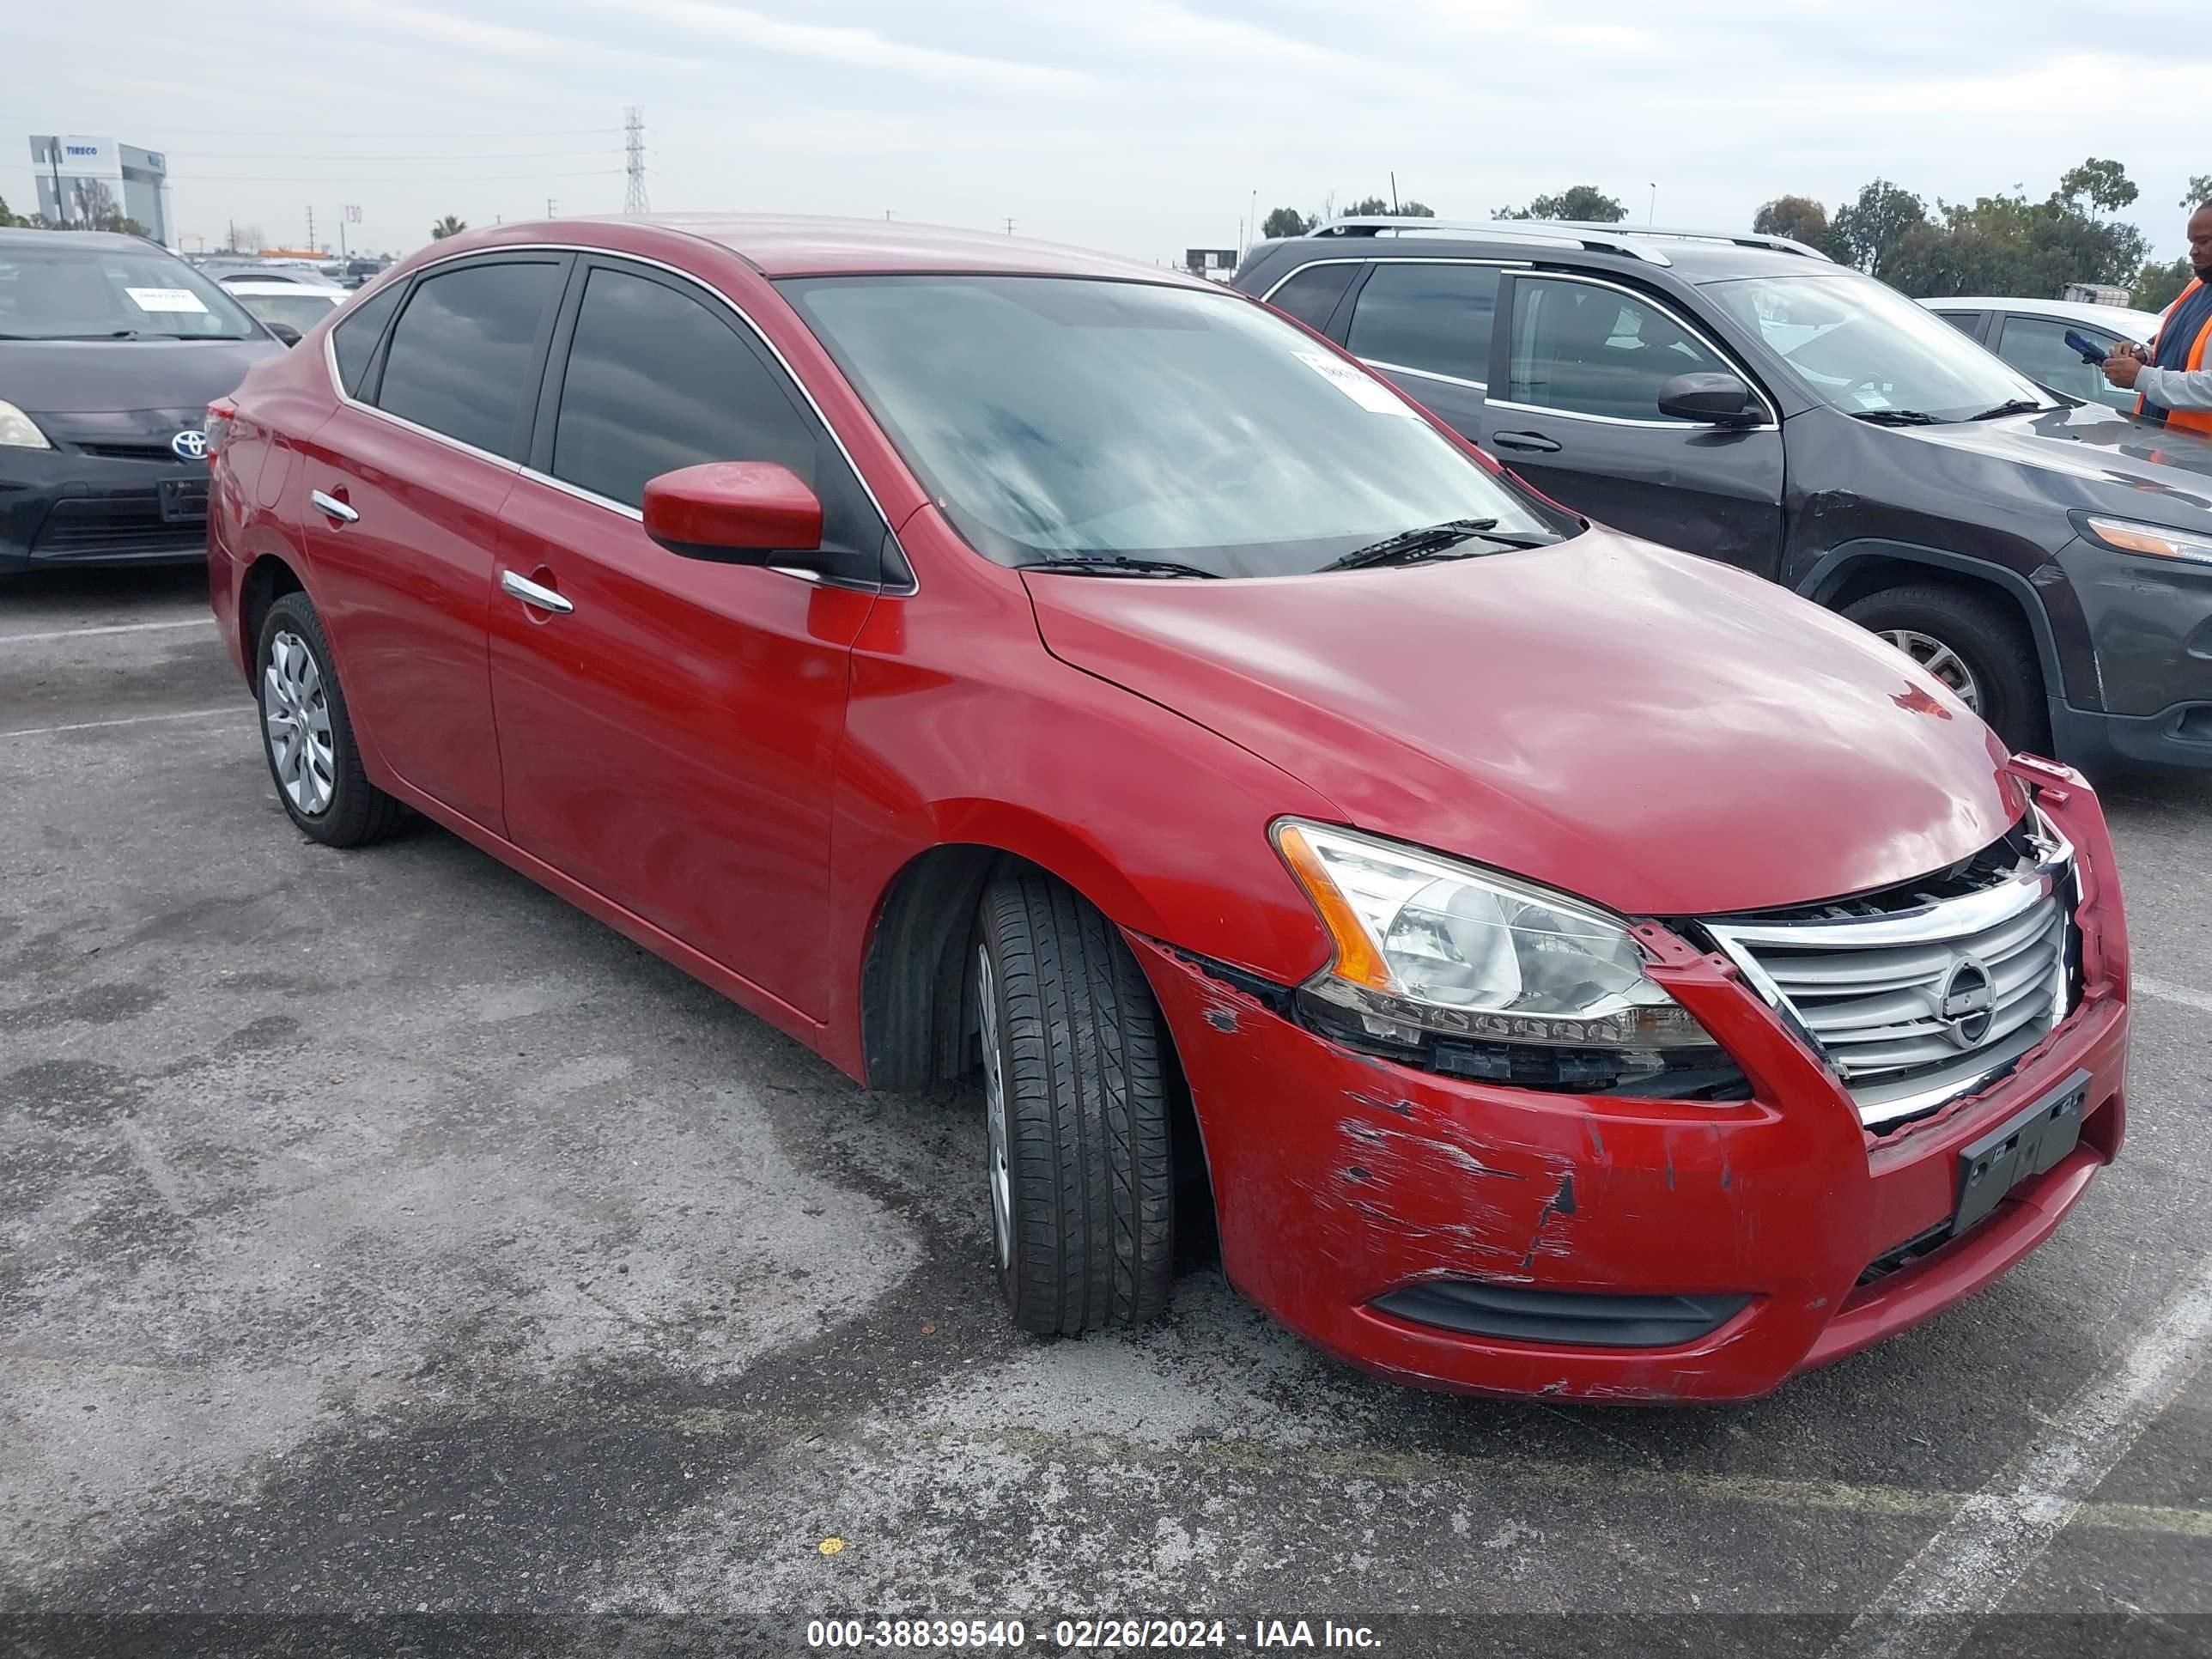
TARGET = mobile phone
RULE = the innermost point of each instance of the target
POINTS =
(2090, 350)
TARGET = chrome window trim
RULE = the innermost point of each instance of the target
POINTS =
(1415, 259)
(1773, 423)
(1430, 374)
(913, 584)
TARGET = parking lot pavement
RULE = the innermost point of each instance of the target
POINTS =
(381, 1240)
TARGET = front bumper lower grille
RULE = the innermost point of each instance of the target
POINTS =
(1571, 1318)
(1916, 1004)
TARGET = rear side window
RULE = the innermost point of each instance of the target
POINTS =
(1431, 317)
(1311, 295)
(2036, 347)
(462, 353)
(658, 381)
(1592, 350)
(1968, 323)
(354, 340)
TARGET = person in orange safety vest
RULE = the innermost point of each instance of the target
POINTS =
(2174, 387)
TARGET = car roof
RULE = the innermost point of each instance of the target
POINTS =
(1694, 256)
(2124, 318)
(285, 291)
(83, 239)
(796, 245)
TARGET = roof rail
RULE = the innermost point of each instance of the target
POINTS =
(1739, 238)
(1605, 238)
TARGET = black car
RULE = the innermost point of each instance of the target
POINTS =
(1743, 398)
(110, 351)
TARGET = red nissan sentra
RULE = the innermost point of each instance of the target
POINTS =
(1565, 965)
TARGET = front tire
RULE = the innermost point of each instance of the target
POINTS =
(307, 738)
(1076, 1067)
(1976, 645)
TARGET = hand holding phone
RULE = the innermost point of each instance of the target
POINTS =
(2090, 350)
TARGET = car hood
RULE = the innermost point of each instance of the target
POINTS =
(2094, 457)
(72, 377)
(1661, 733)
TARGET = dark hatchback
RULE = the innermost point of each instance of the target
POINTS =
(111, 349)
(1743, 398)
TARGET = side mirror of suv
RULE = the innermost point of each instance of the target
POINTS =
(736, 513)
(284, 332)
(1722, 399)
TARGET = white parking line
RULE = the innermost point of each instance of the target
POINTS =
(2167, 991)
(134, 720)
(114, 628)
(1973, 1561)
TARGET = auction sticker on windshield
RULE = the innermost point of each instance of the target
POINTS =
(165, 298)
(1367, 393)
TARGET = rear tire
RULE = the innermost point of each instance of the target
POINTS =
(1986, 641)
(306, 737)
(1077, 1066)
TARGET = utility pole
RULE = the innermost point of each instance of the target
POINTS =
(1652, 217)
(634, 147)
(311, 229)
(549, 207)
(1010, 227)
(1394, 191)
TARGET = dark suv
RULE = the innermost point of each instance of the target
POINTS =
(1744, 397)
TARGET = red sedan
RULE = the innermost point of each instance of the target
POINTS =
(1561, 964)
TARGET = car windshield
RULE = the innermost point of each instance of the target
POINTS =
(84, 291)
(1865, 348)
(302, 310)
(1061, 417)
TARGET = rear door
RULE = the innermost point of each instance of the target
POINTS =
(2036, 347)
(400, 493)
(1573, 406)
(667, 730)
(1426, 325)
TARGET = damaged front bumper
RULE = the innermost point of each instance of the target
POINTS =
(1464, 1236)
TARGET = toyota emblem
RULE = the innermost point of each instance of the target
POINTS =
(1970, 1002)
(192, 445)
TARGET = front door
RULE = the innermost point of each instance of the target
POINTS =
(668, 728)
(401, 493)
(1573, 407)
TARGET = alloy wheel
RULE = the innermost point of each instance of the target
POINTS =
(296, 718)
(1939, 660)
(994, 1107)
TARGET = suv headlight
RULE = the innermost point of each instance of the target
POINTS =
(2126, 535)
(1480, 975)
(19, 431)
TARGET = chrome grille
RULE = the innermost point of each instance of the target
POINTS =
(1917, 1006)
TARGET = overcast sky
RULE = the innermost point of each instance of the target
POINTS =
(1142, 126)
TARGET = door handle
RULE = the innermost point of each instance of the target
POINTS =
(533, 593)
(1536, 442)
(332, 508)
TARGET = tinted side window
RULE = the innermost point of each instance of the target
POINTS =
(1311, 295)
(657, 380)
(354, 340)
(2036, 347)
(462, 353)
(1968, 323)
(1593, 350)
(1425, 316)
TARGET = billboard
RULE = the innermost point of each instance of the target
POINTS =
(84, 157)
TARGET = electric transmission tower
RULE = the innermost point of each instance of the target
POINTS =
(633, 136)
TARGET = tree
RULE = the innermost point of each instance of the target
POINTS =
(246, 239)
(2105, 184)
(1584, 203)
(1416, 211)
(1286, 222)
(1869, 231)
(2158, 286)
(11, 220)
(2200, 191)
(96, 209)
(1798, 218)
(448, 225)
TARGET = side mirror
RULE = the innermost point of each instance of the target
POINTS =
(284, 332)
(1722, 399)
(735, 512)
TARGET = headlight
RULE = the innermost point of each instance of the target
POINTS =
(1484, 976)
(19, 430)
(2129, 536)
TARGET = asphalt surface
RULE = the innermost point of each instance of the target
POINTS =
(394, 1260)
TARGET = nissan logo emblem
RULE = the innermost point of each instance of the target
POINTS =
(193, 446)
(1970, 1002)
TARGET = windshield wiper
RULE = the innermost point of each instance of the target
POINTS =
(1431, 541)
(1895, 416)
(2013, 406)
(1116, 564)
